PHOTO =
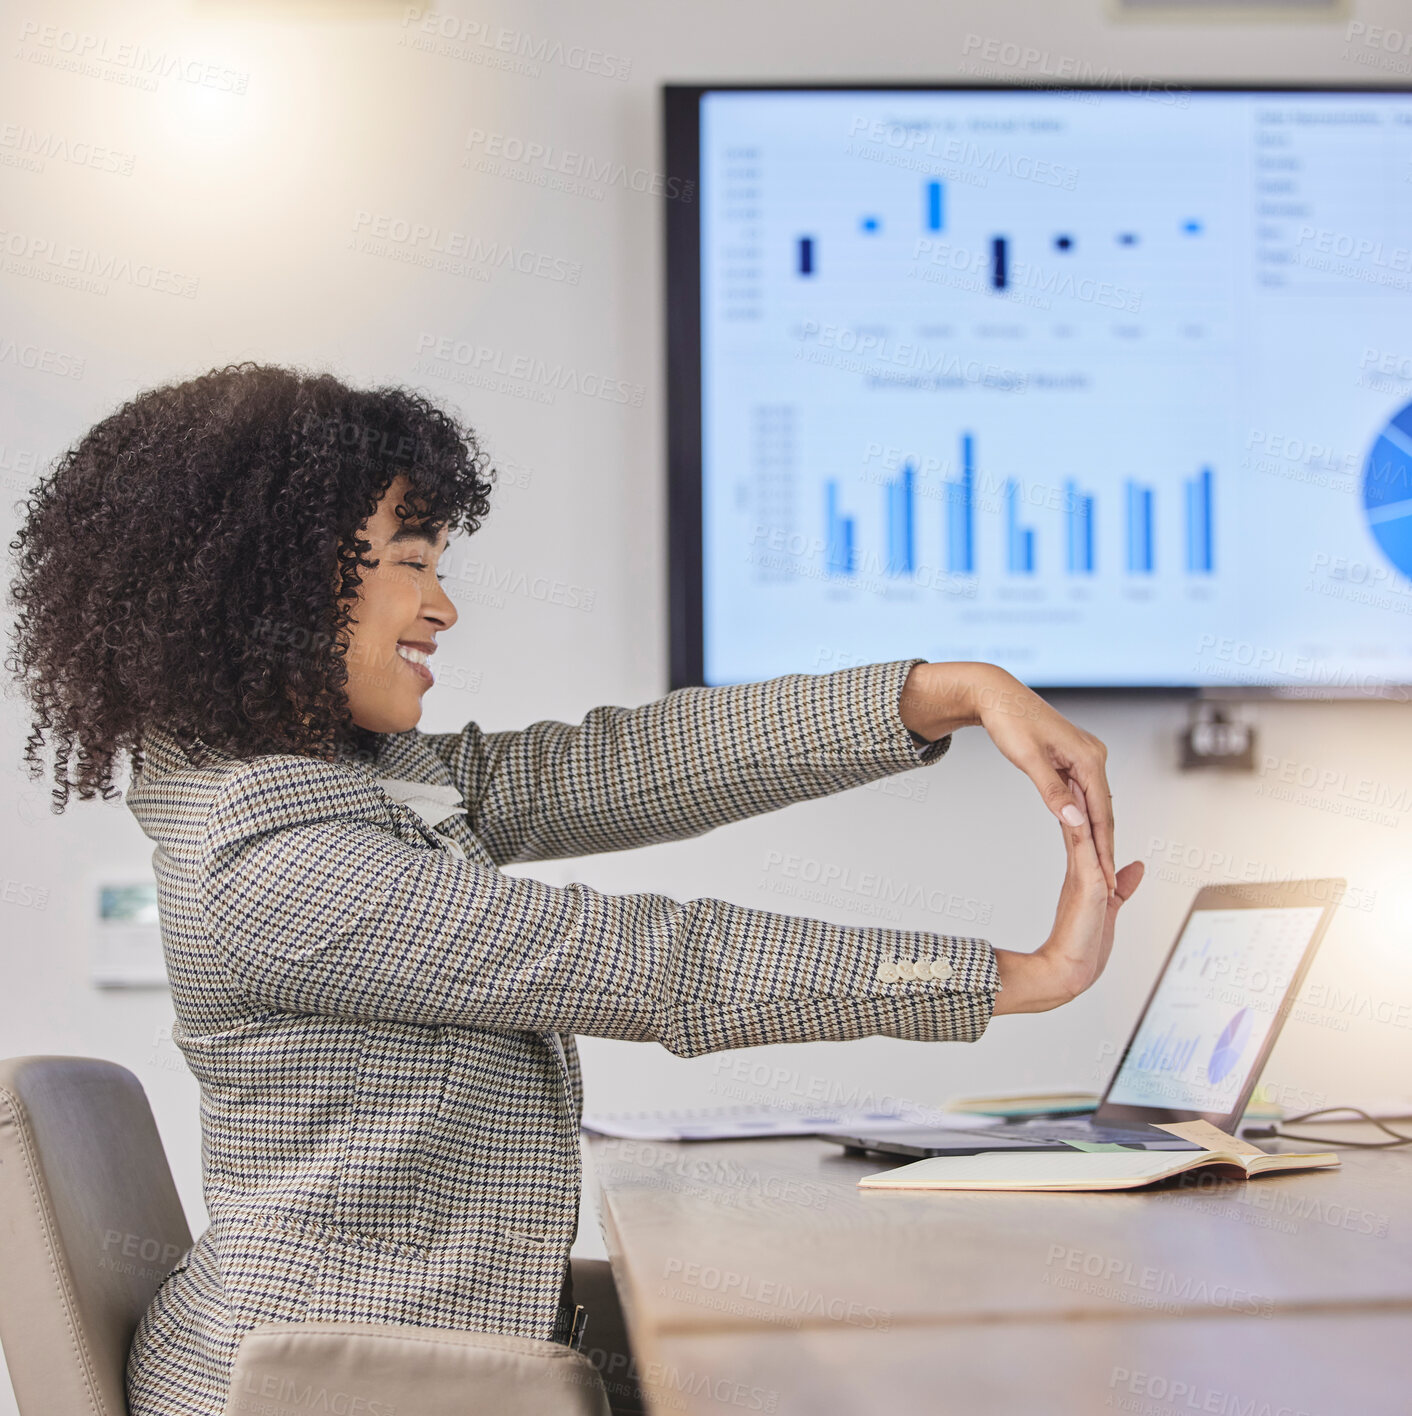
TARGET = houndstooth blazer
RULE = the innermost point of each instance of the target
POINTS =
(381, 1022)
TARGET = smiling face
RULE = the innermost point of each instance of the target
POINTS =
(399, 611)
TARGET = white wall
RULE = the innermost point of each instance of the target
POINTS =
(256, 195)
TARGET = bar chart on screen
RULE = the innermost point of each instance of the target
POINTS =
(1218, 999)
(997, 376)
(949, 527)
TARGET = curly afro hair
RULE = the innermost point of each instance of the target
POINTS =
(177, 567)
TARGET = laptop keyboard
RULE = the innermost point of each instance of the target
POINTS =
(1087, 1130)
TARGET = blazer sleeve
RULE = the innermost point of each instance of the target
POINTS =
(691, 761)
(315, 904)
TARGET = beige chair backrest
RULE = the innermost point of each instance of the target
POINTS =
(90, 1224)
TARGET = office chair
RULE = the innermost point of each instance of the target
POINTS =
(90, 1224)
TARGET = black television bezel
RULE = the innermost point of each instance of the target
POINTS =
(681, 147)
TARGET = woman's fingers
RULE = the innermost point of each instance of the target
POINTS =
(1084, 790)
(1052, 751)
(1129, 878)
(1078, 833)
(1073, 873)
(1083, 903)
(1089, 770)
(1077, 950)
(1057, 791)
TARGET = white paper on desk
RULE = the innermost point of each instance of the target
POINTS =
(733, 1123)
(951, 1120)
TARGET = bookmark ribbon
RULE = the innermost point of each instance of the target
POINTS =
(1212, 1138)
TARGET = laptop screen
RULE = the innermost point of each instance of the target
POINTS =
(1217, 1001)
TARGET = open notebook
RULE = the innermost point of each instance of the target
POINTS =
(1110, 1168)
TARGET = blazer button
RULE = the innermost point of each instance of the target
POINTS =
(887, 973)
(941, 970)
(905, 969)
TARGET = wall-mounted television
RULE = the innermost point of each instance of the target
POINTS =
(1109, 386)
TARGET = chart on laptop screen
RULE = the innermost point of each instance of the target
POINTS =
(1214, 1008)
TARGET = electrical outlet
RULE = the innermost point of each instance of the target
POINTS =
(1214, 739)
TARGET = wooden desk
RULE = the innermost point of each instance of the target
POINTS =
(756, 1276)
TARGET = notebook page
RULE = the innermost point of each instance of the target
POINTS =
(1021, 1168)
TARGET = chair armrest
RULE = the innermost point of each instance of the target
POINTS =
(399, 1369)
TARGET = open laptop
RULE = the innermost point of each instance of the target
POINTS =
(1201, 1042)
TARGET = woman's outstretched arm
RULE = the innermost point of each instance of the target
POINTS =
(691, 761)
(315, 904)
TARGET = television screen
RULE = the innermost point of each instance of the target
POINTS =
(1112, 388)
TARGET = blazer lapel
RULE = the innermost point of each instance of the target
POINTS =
(413, 775)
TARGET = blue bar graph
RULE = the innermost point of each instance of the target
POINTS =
(1200, 549)
(900, 496)
(961, 514)
(1079, 509)
(936, 211)
(1140, 557)
(1078, 513)
(999, 264)
(806, 255)
(1167, 1053)
(838, 533)
(1019, 540)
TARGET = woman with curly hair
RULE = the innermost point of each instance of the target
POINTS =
(233, 582)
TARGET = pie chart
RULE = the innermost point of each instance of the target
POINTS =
(1387, 491)
(1228, 1048)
